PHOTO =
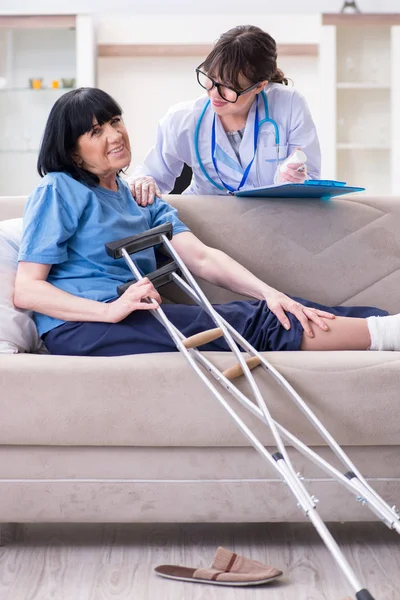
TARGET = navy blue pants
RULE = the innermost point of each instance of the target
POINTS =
(141, 333)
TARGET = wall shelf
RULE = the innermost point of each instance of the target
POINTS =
(345, 85)
(24, 90)
(37, 21)
(118, 50)
(352, 146)
(360, 19)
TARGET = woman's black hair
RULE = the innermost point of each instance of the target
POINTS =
(72, 116)
(244, 50)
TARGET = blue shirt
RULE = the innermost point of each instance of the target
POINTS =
(66, 225)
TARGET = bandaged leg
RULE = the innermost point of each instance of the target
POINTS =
(384, 332)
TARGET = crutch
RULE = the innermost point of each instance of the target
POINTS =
(176, 271)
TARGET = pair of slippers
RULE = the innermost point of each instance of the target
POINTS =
(227, 568)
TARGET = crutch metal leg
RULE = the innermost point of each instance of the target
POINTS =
(353, 480)
(365, 492)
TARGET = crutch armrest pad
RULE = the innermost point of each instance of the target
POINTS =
(140, 241)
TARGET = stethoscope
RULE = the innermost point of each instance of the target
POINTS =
(257, 125)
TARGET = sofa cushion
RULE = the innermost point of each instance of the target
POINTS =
(158, 400)
(342, 252)
(17, 329)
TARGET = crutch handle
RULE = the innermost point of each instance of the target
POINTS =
(199, 339)
(141, 241)
(364, 595)
(160, 277)
(237, 371)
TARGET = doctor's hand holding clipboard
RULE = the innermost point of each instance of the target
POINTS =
(239, 132)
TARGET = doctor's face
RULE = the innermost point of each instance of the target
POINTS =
(223, 107)
(105, 149)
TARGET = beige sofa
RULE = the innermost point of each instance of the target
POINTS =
(138, 438)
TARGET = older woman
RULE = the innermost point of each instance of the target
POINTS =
(67, 279)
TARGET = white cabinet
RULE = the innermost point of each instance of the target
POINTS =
(41, 58)
(360, 91)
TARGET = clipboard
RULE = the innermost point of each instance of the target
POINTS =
(322, 189)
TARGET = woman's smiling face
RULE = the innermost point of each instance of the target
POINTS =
(105, 149)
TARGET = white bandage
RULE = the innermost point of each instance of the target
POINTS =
(384, 332)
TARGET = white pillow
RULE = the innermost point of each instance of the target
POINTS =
(18, 331)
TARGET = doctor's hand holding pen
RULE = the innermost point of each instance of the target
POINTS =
(293, 169)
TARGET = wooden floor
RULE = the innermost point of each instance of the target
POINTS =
(116, 562)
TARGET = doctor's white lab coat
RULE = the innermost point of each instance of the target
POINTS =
(175, 143)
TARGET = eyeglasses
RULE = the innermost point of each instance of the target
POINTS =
(226, 93)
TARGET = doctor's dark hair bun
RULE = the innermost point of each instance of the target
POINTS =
(246, 50)
(72, 116)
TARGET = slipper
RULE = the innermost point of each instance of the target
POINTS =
(227, 568)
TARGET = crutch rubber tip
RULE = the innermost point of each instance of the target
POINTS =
(364, 595)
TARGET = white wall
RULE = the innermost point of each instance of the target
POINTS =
(145, 88)
(178, 6)
(200, 28)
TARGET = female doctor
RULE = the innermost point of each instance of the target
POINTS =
(237, 135)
